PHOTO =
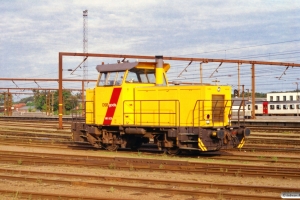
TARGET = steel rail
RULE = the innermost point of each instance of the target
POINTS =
(151, 164)
(149, 182)
(146, 180)
(46, 195)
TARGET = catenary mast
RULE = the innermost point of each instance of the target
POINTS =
(85, 45)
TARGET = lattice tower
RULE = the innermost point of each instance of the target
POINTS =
(85, 45)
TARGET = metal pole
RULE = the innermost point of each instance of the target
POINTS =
(248, 93)
(243, 88)
(239, 79)
(201, 73)
(52, 100)
(60, 99)
(297, 107)
(253, 91)
(206, 60)
(82, 99)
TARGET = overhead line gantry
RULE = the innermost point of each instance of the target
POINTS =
(189, 59)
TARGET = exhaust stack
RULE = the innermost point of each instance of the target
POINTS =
(159, 70)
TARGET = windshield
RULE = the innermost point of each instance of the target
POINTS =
(136, 75)
(111, 78)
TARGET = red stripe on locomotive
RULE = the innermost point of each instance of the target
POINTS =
(112, 106)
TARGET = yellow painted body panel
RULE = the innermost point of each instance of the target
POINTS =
(184, 104)
(102, 103)
(145, 104)
(163, 106)
(89, 106)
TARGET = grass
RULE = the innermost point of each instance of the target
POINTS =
(161, 166)
(237, 173)
(131, 168)
(16, 195)
(20, 162)
(220, 196)
(39, 181)
(274, 159)
(112, 189)
(112, 166)
(286, 132)
(139, 153)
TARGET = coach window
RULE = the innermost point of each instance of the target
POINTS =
(285, 107)
(278, 107)
(277, 98)
(284, 98)
(272, 107)
(298, 106)
(291, 98)
(256, 107)
(292, 106)
(249, 107)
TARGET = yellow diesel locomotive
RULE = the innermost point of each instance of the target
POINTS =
(133, 104)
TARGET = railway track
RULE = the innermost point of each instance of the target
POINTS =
(275, 129)
(23, 132)
(153, 152)
(146, 164)
(141, 185)
(170, 187)
(259, 125)
(236, 166)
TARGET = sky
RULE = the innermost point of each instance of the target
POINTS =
(34, 32)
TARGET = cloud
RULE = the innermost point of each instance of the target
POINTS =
(33, 32)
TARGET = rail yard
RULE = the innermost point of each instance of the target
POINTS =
(136, 135)
(38, 160)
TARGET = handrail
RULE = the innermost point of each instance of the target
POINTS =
(142, 113)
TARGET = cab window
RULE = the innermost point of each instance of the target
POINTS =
(110, 78)
(136, 75)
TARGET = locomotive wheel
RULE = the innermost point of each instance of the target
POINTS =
(111, 147)
(173, 151)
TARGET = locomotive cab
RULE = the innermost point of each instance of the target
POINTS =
(132, 104)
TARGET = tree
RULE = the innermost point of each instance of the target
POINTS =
(39, 99)
(27, 99)
(1, 99)
(69, 101)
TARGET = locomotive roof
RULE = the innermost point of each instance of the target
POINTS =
(116, 67)
(127, 66)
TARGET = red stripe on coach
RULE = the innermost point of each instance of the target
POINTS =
(112, 106)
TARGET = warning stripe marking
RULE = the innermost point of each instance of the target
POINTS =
(112, 106)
